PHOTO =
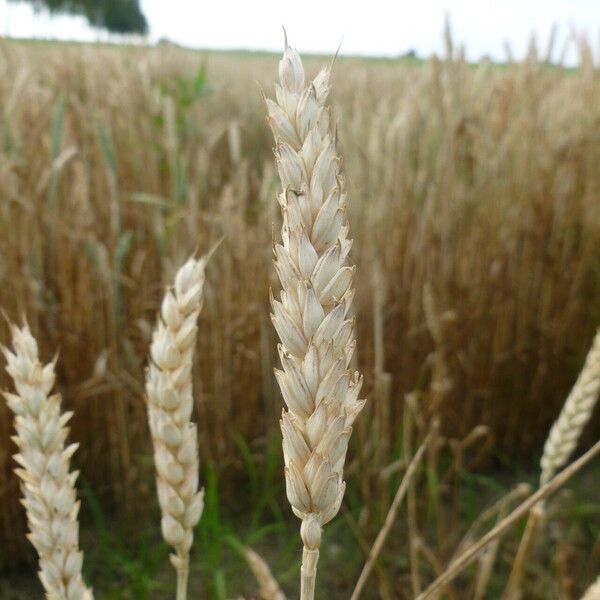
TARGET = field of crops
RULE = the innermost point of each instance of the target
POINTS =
(474, 206)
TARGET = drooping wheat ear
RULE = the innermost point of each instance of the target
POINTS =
(170, 402)
(593, 592)
(49, 494)
(575, 413)
(312, 317)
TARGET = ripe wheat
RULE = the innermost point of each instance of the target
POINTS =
(593, 592)
(170, 402)
(575, 414)
(312, 317)
(50, 498)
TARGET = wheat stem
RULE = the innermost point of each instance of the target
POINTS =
(462, 561)
(182, 577)
(269, 588)
(390, 518)
(308, 573)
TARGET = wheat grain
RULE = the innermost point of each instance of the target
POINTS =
(575, 414)
(312, 317)
(170, 402)
(50, 498)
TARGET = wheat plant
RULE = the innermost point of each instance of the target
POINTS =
(47, 484)
(170, 402)
(312, 317)
(560, 444)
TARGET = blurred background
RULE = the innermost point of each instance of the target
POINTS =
(132, 134)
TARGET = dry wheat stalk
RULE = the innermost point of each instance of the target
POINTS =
(312, 318)
(593, 592)
(170, 402)
(576, 412)
(458, 564)
(48, 487)
(269, 588)
(391, 516)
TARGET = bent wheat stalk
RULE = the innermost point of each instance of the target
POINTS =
(170, 402)
(312, 316)
(50, 498)
(463, 560)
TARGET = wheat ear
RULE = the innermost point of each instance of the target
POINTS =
(575, 414)
(170, 402)
(593, 592)
(312, 317)
(560, 444)
(48, 488)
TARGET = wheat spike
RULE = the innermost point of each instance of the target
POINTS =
(170, 402)
(593, 592)
(48, 488)
(575, 413)
(312, 316)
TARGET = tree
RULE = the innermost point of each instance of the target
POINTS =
(118, 16)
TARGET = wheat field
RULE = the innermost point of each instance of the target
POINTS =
(474, 208)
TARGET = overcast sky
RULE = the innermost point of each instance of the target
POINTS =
(370, 27)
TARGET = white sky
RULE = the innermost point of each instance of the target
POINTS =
(370, 27)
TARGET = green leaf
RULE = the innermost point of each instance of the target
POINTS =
(58, 127)
(106, 145)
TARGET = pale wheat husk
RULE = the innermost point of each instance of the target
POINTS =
(170, 402)
(48, 487)
(312, 316)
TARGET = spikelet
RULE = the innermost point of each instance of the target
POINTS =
(575, 414)
(312, 316)
(48, 488)
(593, 592)
(170, 402)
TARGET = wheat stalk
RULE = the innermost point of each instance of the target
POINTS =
(269, 588)
(458, 564)
(48, 488)
(593, 592)
(312, 317)
(170, 402)
(574, 415)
